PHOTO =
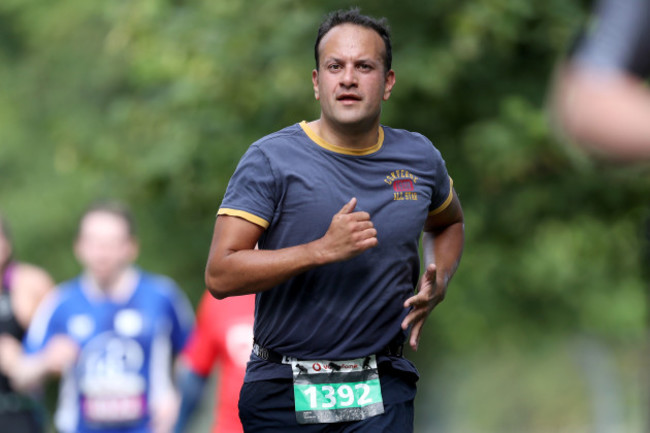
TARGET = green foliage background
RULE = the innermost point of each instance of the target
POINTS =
(154, 101)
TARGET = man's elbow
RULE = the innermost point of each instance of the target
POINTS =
(217, 294)
(216, 287)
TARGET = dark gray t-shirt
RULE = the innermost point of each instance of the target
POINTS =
(292, 183)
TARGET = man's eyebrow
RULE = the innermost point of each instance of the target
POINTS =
(332, 59)
(368, 60)
(361, 60)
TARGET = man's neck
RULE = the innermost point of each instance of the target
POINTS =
(119, 287)
(353, 137)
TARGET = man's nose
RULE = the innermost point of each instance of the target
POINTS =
(349, 77)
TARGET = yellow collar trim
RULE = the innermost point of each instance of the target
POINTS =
(344, 150)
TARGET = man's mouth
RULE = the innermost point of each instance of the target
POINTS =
(348, 97)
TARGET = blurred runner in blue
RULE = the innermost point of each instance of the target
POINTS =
(112, 333)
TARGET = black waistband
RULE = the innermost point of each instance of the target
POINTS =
(266, 354)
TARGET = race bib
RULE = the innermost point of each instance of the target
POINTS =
(111, 381)
(113, 410)
(336, 391)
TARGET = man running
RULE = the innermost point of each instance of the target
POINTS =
(338, 206)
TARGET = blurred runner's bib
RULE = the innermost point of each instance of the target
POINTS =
(112, 390)
(111, 410)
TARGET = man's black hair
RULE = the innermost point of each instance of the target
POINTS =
(354, 16)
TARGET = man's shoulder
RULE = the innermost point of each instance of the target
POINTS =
(405, 136)
(62, 301)
(279, 137)
(159, 284)
(163, 290)
(397, 133)
(68, 291)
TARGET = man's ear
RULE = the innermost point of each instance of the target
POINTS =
(134, 249)
(314, 80)
(388, 84)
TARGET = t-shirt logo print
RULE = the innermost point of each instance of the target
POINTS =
(403, 183)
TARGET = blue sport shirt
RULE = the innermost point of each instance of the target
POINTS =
(126, 351)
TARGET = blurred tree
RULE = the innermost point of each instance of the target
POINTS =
(154, 102)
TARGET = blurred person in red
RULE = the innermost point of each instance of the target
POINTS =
(222, 338)
(22, 288)
(599, 97)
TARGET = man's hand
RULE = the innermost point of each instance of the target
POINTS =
(349, 234)
(60, 353)
(27, 372)
(429, 294)
(10, 352)
(164, 412)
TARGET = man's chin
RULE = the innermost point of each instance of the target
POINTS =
(356, 124)
(104, 277)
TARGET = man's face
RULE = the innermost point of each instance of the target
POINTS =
(104, 247)
(351, 81)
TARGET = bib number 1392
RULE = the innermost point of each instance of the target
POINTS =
(336, 391)
(337, 395)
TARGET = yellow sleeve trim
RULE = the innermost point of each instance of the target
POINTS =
(444, 205)
(244, 215)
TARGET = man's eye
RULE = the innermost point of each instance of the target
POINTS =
(365, 67)
(334, 67)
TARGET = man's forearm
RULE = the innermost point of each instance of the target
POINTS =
(448, 248)
(251, 271)
(235, 267)
(29, 372)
